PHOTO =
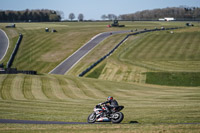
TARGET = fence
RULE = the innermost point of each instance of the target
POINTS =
(15, 71)
(9, 64)
(104, 57)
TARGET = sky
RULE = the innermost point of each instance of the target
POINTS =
(94, 9)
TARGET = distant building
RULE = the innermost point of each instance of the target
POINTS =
(166, 19)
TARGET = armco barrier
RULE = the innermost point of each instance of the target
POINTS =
(9, 64)
(15, 71)
(104, 57)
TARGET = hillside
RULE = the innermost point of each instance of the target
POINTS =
(46, 97)
(62, 98)
(153, 52)
(42, 51)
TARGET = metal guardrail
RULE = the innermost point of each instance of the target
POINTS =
(15, 71)
(12, 57)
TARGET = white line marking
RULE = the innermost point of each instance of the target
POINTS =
(75, 52)
(7, 45)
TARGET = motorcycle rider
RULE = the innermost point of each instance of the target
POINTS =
(112, 104)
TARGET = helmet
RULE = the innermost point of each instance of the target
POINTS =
(109, 98)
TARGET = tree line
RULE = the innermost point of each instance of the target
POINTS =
(43, 15)
(72, 17)
(179, 13)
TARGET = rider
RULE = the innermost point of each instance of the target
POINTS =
(112, 104)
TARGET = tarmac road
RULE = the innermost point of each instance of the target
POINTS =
(68, 63)
(10, 121)
(4, 43)
(37, 122)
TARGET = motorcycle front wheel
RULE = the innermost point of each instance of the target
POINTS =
(92, 118)
(117, 117)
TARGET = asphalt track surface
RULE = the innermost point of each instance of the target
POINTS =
(10, 121)
(4, 43)
(37, 122)
(68, 63)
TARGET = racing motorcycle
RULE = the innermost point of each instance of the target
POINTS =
(100, 114)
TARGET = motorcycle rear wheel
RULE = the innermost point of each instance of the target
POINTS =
(91, 118)
(118, 117)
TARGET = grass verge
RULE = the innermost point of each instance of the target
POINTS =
(173, 78)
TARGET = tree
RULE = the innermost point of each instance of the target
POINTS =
(112, 17)
(54, 17)
(80, 17)
(71, 16)
(61, 14)
(43, 15)
(104, 17)
(179, 13)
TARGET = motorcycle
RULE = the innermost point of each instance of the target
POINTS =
(100, 114)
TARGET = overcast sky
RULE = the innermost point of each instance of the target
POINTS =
(94, 9)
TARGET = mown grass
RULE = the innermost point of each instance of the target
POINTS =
(62, 98)
(102, 128)
(156, 51)
(164, 51)
(173, 78)
(97, 72)
(71, 99)
(43, 51)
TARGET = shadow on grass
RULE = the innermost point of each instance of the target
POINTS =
(133, 122)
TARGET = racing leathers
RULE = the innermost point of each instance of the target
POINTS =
(112, 104)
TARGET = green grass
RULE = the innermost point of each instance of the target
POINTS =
(70, 98)
(67, 98)
(96, 73)
(157, 51)
(125, 128)
(62, 98)
(164, 51)
(42, 52)
(173, 78)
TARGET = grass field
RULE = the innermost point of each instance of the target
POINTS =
(58, 98)
(161, 47)
(69, 98)
(173, 78)
(43, 51)
(154, 52)
(102, 128)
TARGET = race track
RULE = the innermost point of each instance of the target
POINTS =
(38, 122)
(68, 63)
(4, 43)
(10, 121)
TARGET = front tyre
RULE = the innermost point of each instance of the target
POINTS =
(91, 118)
(117, 117)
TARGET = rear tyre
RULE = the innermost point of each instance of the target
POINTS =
(117, 117)
(92, 118)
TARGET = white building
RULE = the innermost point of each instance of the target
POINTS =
(166, 19)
